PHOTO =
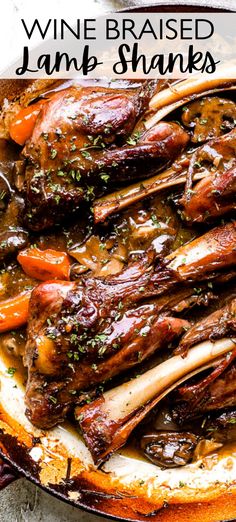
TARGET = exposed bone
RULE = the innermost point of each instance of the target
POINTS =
(194, 85)
(107, 422)
(121, 199)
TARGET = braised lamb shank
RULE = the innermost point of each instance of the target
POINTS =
(83, 139)
(107, 422)
(83, 333)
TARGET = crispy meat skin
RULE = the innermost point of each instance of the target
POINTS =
(80, 137)
(83, 333)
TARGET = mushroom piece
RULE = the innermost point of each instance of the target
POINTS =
(99, 257)
(169, 449)
(11, 241)
(209, 118)
(5, 191)
(167, 109)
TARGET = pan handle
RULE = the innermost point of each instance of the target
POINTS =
(7, 474)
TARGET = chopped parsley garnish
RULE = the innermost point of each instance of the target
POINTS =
(155, 220)
(105, 177)
(53, 153)
(11, 371)
(53, 399)
(132, 140)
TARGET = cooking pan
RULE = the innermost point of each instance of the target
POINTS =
(125, 488)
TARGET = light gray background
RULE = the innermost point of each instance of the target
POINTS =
(22, 501)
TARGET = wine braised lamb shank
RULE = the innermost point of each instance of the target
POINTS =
(83, 140)
(107, 422)
(84, 333)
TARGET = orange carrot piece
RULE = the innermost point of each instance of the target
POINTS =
(14, 311)
(23, 123)
(44, 264)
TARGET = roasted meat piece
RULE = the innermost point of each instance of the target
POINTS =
(214, 195)
(83, 140)
(83, 333)
(217, 389)
(215, 392)
(209, 177)
(211, 197)
(107, 422)
(219, 324)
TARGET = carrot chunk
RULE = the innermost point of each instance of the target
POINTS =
(44, 264)
(14, 311)
(23, 123)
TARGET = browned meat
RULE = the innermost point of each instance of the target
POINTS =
(213, 393)
(218, 389)
(212, 163)
(217, 325)
(214, 195)
(85, 338)
(209, 253)
(107, 422)
(78, 112)
(83, 139)
(83, 333)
